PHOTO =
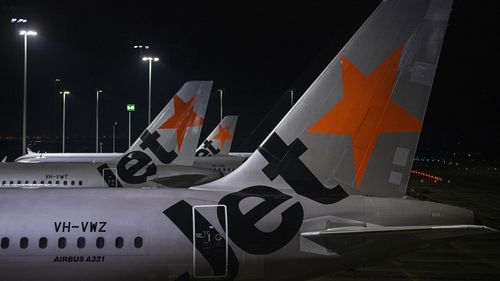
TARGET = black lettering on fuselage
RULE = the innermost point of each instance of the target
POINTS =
(242, 227)
(181, 215)
(207, 150)
(84, 226)
(151, 141)
(284, 161)
(129, 173)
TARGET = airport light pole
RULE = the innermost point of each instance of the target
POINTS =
(64, 93)
(25, 33)
(130, 109)
(150, 60)
(114, 125)
(221, 91)
(97, 121)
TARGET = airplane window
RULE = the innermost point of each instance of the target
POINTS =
(11, 182)
(80, 243)
(99, 243)
(5, 243)
(42, 243)
(61, 243)
(138, 242)
(72, 182)
(42, 182)
(18, 182)
(65, 182)
(119, 242)
(34, 182)
(3, 182)
(49, 182)
(57, 182)
(80, 182)
(26, 182)
(23, 243)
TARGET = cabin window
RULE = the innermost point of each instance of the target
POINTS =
(72, 182)
(42, 243)
(42, 182)
(119, 242)
(61, 243)
(49, 182)
(23, 243)
(80, 182)
(18, 182)
(26, 182)
(3, 182)
(138, 242)
(12, 182)
(80, 243)
(99, 243)
(34, 182)
(65, 182)
(57, 182)
(4, 243)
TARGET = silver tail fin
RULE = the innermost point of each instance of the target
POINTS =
(220, 140)
(173, 135)
(356, 129)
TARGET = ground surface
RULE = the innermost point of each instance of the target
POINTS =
(467, 258)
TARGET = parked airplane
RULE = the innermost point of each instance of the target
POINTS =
(162, 155)
(220, 140)
(218, 143)
(324, 192)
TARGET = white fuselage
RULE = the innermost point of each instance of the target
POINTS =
(147, 234)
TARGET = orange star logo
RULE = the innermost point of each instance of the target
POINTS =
(184, 117)
(223, 135)
(366, 110)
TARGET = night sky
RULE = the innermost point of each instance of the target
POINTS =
(255, 51)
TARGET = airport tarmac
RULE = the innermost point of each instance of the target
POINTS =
(466, 258)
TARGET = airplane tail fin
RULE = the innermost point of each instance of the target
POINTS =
(356, 129)
(173, 135)
(220, 140)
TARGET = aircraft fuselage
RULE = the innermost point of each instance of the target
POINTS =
(147, 234)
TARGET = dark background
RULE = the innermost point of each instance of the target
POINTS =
(256, 51)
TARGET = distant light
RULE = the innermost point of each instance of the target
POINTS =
(64, 93)
(16, 20)
(58, 80)
(116, 123)
(28, 32)
(130, 107)
(150, 59)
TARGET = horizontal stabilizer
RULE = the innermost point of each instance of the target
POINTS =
(349, 240)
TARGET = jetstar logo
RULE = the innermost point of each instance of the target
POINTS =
(136, 166)
(184, 117)
(223, 135)
(366, 110)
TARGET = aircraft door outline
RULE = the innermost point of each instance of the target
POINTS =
(208, 243)
(109, 176)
